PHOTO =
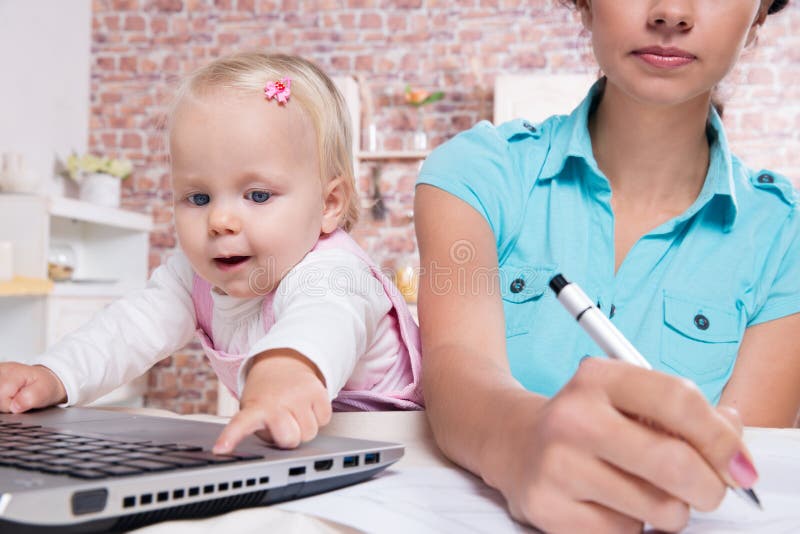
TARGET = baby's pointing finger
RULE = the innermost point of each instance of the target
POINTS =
(244, 423)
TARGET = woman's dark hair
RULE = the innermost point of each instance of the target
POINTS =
(776, 6)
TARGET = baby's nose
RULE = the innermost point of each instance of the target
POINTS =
(223, 220)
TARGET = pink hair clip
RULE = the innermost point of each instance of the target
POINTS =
(280, 90)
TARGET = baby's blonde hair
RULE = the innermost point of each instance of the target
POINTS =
(312, 90)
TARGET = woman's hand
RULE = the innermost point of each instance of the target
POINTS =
(592, 458)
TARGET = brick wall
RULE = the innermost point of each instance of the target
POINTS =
(141, 47)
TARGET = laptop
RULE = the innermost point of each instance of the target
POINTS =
(94, 470)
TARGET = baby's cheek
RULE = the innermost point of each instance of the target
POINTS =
(189, 231)
(180, 224)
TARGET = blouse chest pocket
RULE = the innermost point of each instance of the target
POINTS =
(522, 287)
(699, 341)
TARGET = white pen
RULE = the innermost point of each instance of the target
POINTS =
(610, 339)
(596, 324)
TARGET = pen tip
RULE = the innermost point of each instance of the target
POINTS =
(750, 496)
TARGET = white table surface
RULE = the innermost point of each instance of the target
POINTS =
(412, 430)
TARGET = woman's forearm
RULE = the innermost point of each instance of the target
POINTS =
(471, 407)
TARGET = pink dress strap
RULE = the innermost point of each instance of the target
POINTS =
(407, 366)
(226, 366)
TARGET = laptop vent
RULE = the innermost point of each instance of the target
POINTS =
(194, 510)
(179, 494)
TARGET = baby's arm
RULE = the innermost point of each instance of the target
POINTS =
(327, 310)
(117, 345)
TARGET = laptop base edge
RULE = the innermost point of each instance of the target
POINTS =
(197, 510)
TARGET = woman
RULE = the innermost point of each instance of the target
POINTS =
(695, 257)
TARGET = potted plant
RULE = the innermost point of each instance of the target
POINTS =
(99, 177)
(418, 98)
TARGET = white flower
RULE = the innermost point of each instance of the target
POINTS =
(77, 167)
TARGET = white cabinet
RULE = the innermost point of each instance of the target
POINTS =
(110, 248)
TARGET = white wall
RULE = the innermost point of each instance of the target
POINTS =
(44, 80)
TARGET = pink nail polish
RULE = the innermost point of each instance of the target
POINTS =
(742, 471)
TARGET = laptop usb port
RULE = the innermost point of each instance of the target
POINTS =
(295, 471)
(372, 458)
(323, 465)
(350, 461)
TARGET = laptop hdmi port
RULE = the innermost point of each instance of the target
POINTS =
(323, 465)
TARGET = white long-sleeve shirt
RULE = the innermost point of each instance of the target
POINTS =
(329, 308)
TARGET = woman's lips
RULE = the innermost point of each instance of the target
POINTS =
(230, 263)
(664, 58)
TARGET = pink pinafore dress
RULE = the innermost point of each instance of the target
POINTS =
(405, 370)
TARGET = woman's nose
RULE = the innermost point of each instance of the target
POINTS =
(672, 15)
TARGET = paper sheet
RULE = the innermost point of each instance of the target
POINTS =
(436, 499)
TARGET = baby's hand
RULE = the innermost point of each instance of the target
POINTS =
(24, 387)
(284, 402)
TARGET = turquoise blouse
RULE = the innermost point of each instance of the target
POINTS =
(686, 291)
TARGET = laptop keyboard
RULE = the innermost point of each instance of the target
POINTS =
(36, 448)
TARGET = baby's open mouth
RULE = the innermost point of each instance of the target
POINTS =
(232, 260)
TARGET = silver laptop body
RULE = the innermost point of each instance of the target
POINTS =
(114, 480)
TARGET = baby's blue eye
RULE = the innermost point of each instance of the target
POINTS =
(259, 196)
(199, 199)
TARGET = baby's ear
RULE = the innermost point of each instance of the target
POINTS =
(334, 203)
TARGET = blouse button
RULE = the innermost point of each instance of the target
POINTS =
(701, 321)
(765, 179)
(517, 285)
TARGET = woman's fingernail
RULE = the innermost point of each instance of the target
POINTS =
(742, 471)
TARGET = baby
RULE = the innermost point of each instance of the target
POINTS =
(294, 317)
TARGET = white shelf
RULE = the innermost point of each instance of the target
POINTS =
(110, 256)
(21, 286)
(78, 210)
(393, 154)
